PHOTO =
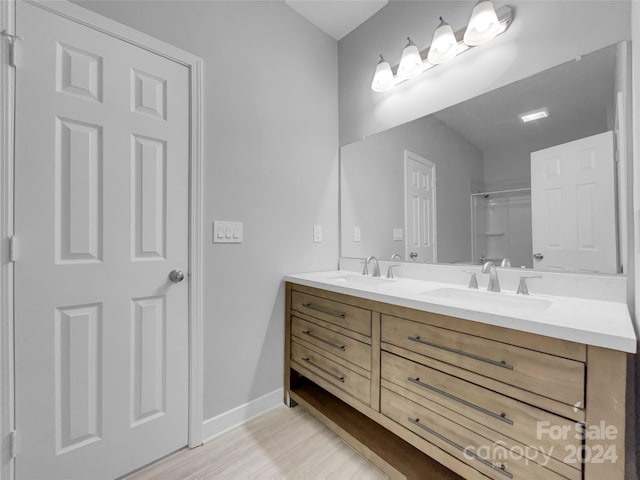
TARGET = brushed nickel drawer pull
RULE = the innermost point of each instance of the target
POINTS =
(326, 311)
(324, 340)
(340, 378)
(498, 468)
(490, 361)
(498, 416)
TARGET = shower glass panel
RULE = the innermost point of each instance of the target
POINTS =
(501, 227)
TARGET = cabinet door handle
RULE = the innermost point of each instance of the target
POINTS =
(498, 468)
(340, 378)
(490, 361)
(498, 416)
(324, 340)
(326, 311)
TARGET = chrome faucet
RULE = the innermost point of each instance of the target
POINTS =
(390, 269)
(376, 267)
(494, 284)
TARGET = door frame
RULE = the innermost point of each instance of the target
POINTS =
(409, 155)
(194, 65)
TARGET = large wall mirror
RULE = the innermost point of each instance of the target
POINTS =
(475, 182)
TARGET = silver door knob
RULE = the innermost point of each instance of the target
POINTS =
(176, 276)
(538, 256)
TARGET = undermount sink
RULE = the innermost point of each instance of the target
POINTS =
(361, 280)
(489, 300)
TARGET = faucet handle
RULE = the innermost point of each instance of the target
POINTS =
(365, 270)
(390, 270)
(473, 279)
(506, 263)
(522, 286)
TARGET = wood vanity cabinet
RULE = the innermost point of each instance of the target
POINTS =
(406, 387)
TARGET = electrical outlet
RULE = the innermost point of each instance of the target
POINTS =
(356, 234)
(317, 233)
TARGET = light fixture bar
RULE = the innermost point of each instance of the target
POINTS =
(534, 115)
(505, 16)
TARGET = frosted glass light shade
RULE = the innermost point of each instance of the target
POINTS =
(444, 46)
(411, 62)
(383, 79)
(483, 25)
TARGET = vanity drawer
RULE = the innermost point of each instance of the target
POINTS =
(341, 314)
(554, 377)
(499, 460)
(510, 417)
(333, 342)
(309, 362)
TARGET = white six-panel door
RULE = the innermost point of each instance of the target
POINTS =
(101, 333)
(420, 209)
(573, 206)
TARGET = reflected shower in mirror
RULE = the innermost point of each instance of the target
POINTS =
(477, 182)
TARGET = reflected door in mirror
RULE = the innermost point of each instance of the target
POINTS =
(420, 208)
(573, 200)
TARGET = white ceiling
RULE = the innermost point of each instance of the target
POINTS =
(578, 94)
(336, 17)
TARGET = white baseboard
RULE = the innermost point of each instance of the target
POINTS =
(219, 424)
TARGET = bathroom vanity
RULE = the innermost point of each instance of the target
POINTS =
(489, 385)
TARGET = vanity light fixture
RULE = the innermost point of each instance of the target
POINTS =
(484, 25)
(411, 61)
(383, 79)
(534, 115)
(444, 45)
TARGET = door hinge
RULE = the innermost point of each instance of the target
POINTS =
(13, 248)
(13, 48)
(13, 444)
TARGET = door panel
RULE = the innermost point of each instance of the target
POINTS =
(78, 371)
(148, 189)
(148, 346)
(102, 218)
(78, 192)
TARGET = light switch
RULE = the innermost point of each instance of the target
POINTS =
(398, 234)
(317, 233)
(356, 234)
(227, 232)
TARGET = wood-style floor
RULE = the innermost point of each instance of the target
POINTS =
(281, 444)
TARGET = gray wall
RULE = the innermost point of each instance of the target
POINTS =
(372, 188)
(271, 144)
(507, 168)
(544, 34)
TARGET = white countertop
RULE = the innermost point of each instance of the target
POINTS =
(592, 322)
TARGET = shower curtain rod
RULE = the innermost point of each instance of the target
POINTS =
(515, 190)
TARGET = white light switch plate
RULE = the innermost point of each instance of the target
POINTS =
(398, 234)
(317, 233)
(356, 234)
(227, 232)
